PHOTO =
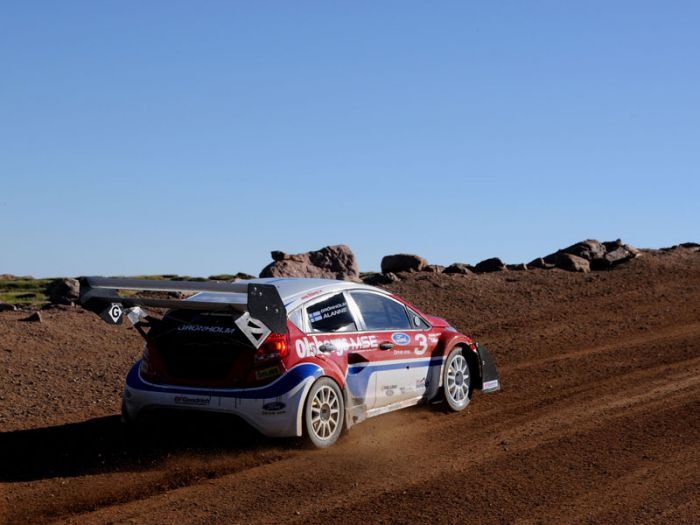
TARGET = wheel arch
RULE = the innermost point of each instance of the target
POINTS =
(333, 376)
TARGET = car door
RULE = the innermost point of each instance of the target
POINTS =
(401, 358)
(331, 327)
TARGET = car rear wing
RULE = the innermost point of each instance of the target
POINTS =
(261, 306)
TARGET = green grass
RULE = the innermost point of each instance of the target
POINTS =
(23, 291)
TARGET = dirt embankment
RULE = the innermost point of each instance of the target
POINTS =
(598, 422)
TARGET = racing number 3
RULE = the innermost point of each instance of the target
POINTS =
(423, 344)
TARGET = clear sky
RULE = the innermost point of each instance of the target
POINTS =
(195, 137)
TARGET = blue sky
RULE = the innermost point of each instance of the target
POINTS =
(195, 137)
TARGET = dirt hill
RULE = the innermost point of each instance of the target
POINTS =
(598, 421)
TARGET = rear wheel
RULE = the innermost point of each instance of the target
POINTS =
(324, 413)
(456, 381)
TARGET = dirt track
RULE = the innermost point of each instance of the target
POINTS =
(598, 422)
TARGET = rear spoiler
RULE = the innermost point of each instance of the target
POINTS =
(261, 305)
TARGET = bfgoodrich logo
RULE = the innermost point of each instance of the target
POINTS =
(401, 339)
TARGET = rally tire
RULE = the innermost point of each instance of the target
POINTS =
(456, 381)
(324, 413)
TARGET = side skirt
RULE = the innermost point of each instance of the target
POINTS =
(394, 406)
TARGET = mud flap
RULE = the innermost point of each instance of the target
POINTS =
(490, 382)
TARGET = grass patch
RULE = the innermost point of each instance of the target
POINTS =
(23, 291)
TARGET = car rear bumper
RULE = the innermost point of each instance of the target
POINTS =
(274, 409)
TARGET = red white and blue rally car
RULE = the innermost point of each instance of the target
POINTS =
(292, 357)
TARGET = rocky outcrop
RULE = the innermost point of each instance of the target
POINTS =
(330, 262)
(459, 268)
(588, 255)
(403, 262)
(494, 264)
(63, 291)
(434, 268)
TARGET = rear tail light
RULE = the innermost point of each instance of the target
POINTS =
(275, 346)
(147, 371)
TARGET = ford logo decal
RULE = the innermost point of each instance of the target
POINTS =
(401, 339)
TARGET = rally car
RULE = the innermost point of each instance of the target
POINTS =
(292, 357)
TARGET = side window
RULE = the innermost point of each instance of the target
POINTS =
(381, 313)
(331, 315)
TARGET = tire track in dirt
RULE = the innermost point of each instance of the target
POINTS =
(644, 394)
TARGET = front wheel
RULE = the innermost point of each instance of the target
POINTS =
(456, 381)
(324, 413)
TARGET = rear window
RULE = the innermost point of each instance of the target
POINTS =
(331, 315)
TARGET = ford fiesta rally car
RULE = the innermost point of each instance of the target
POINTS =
(292, 357)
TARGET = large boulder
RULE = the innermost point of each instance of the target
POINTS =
(458, 268)
(572, 263)
(63, 291)
(589, 249)
(494, 264)
(330, 262)
(403, 262)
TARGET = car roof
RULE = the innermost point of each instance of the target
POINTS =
(293, 290)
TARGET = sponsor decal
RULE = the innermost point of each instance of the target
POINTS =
(490, 384)
(400, 338)
(115, 312)
(192, 401)
(227, 330)
(389, 389)
(433, 338)
(328, 312)
(266, 373)
(274, 406)
(310, 295)
(308, 346)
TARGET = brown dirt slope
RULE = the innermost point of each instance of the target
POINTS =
(598, 422)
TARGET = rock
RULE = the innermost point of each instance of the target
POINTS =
(63, 291)
(34, 318)
(330, 262)
(403, 262)
(517, 267)
(494, 264)
(689, 245)
(612, 245)
(572, 263)
(541, 263)
(378, 279)
(434, 268)
(589, 249)
(459, 268)
(4, 307)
